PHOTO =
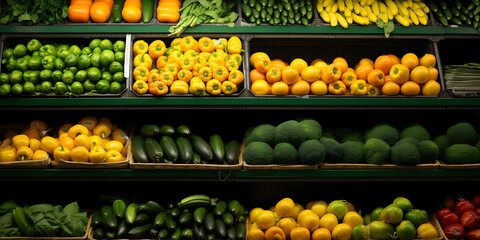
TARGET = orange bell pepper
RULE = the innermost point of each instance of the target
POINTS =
(220, 73)
(376, 77)
(337, 87)
(331, 73)
(373, 90)
(156, 49)
(205, 44)
(274, 74)
(348, 78)
(167, 15)
(153, 77)
(235, 77)
(140, 87)
(262, 65)
(157, 88)
(141, 73)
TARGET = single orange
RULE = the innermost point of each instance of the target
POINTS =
(319, 88)
(383, 63)
(433, 73)
(301, 87)
(410, 60)
(259, 87)
(131, 14)
(132, 3)
(363, 70)
(394, 58)
(420, 74)
(428, 60)
(431, 88)
(289, 75)
(321, 234)
(390, 88)
(256, 75)
(410, 88)
(300, 233)
(278, 63)
(280, 88)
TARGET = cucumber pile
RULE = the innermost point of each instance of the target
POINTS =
(456, 12)
(276, 12)
(196, 216)
(167, 144)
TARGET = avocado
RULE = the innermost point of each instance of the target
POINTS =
(443, 144)
(333, 150)
(462, 132)
(285, 153)
(311, 152)
(376, 151)
(262, 133)
(478, 145)
(291, 132)
(409, 139)
(462, 154)
(312, 129)
(257, 153)
(428, 151)
(385, 132)
(352, 152)
(405, 153)
(344, 134)
(416, 131)
(249, 131)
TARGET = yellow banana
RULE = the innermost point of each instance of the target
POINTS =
(363, 2)
(333, 19)
(334, 8)
(370, 2)
(413, 16)
(401, 9)
(356, 7)
(349, 19)
(341, 5)
(375, 8)
(402, 20)
(418, 11)
(349, 4)
(327, 2)
(371, 16)
(347, 12)
(341, 20)
(392, 6)
(325, 16)
(423, 20)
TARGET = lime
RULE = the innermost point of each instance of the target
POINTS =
(120, 57)
(107, 76)
(88, 86)
(46, 87)
(75, 50)
(107, 57)
(115, 88)
(118, 77)
(68, 77)
(83, 61)
(71, 60)
(57, 76)
(106, 44)
(81, 76)
(28, 88)
(86, 51)
(77, 88)
(119, 46)
(97, 50)
(94, 43)
(19, 51)
(94, 74)
(102, 86)
(115, 67)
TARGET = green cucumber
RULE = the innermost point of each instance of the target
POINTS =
(235, 208)
(195, 201)
(183, 131)
(221, 229)
(476, 2)
(186, 218)
(443, 4)
(160, 219)
(201, 147)
(153, 233)
(220, 209)
(456, 21)
(167, 130)
(117, 10)
(122, 229)
(147, 10)
(138, 149)
(251, 3)
(187, 233)
(455, 12)
(140, 231)
(211, 236)
(433, 6)
(149, 130)
(109, 221)
(163, 234)
(218, 148)
(247, 11)
(131, 213)
(141, 219)
(231, 233)
(169, 148)
(177, 234)
(199, 215)
(98, 233)
(457, 4)
(448, 14)
(185, 150)
(198, 231)
(209, 222)
(170, 224)
(232, 152)
(154, 150)
(241, 230)
(110, 235)
(96, 219)
(119, 207)
(175, 213)
(196, 158)
(155, 206)
(228, 219)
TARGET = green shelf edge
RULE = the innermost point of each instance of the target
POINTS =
(241, 175)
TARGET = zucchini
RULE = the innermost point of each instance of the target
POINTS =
(221, 229)
(231, 233)
(163, 234)
(236, 208)
(110, 235)
(96, 219)
(177, 234)
(198, 231)
(476, 2)
(195, 201)
(122, 229)
(196, 158)
(119, 207)
(155, 207)
(251, 3)
(160, 219)
(211, 236)
(228, 219)
(169, 148)
(247, 11)
(218, 148)
(154, 150)
(209, 222)
(131, 213)
(455, 12)
(186, 218)
(433, 6)
(201, 147)
(187, 233)
(220, 209)
(170, 224)
(109, 221)
(140, 231)
(185, 150)
(149, 130)
(457, 4)
(117, 11)
(456, 21)
(167, 130)
(232, 152)
(147, 10)
(153, 233)
(141, 219)
(241, 230)
(98, 233)
(175, 213)
(199, 215)
(138, 149)
(448, 14)
(184, 130)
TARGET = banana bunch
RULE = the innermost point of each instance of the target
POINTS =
(364, 12)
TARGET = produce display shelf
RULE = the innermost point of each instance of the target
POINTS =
(245, 175)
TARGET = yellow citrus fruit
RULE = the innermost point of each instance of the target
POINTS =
(254, 213)
(300, 233)
(309, 220)
(319, 207)
(428, 60)
(353, 219)
(280, 88)
(259, 87)
(328, 221)
(299, 64)
(310, 74)
(420, 74)
(319, 88)
(265, 219)
(287, 224)
(342, 231)
(285, 208)
(298, 209)
(321, 234)
(431, 88)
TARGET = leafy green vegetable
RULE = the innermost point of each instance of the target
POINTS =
(33, 12)
(194, 12)
(7, 206)
(7, 226)
(387, 27)
(74, 222)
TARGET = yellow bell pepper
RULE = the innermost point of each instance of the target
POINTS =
(175, 42)
(255, 233)
(232, 64)
(399, 73)
(205, 44)
(196, 69)
(114, 156)
(191, 53)
(140, 47)
(8, 155)
(216, 59)
(236, 57)
(20, 141)
(48, 144)
(175, 57)
(372, 90)
(83, 140)
(34, 144)
(203, 57)
(172, 68)
(89, 122)
(158, 87)
(66, 141)
(331, 73)
(24, 153)
(162, 61)
(358, 87)
(197, 86)
(205, 74)
(79, 154)
(348, 78)
(61, 153)
(221, 43)
(184, 75)
(228, 87)
(235, 77)
(337, 87)
(103, 130)
(96, 140)
(167, 78)
(187, 63)
(31, 133)
(189, 42)
(234, 45)
(39, 155)
(78, 129)
(114, 145)
(179, 87)
(427, 231)
(214, 87)
(140, 87)
(141, 73)
(120, 135)
(220, 73)
(97, 155)
(156, 49)
(143, 60)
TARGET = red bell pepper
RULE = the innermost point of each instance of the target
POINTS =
(476, 201)
(447, 218)
(449, 203)
(477, 211)
(474, 235)
(442, 212)
(455, 231)
(469, 219)
(463, 206)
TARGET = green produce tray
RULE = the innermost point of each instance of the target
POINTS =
(10, 40)
(167, 39)
(373, 166)
(328, 47)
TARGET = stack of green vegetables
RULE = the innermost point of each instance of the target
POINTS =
(456, 12)
(275, 12)
(194, 12)
(33, 12)
(196, 216)
(466, 76)
(42, 220)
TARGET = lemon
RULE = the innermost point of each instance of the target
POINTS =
(265, 219)
(305, 211)
(353, 219)
(253, 213)
(309, 220)
(285, 208)
(342, 231)
(328, 221)
(321, 234)
(319, 207)
(287, 224)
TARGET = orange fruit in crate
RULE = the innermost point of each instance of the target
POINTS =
(256, 75)
(278, 63)
(410, 60)
(394, 58)
(428, 60)
(289, 75)
(301, 87)
(342, 63)
(420, 74)
(319, 88)
(321, 234)
(390, 88)
(280, 88)
(383, 63)
(259, 87)
(410, 88)
(100, 12)
(363, 70)
(299, 64)
(300, 233)
(431, 88)
(433, 73)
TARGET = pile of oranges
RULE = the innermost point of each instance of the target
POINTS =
(386, 75)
